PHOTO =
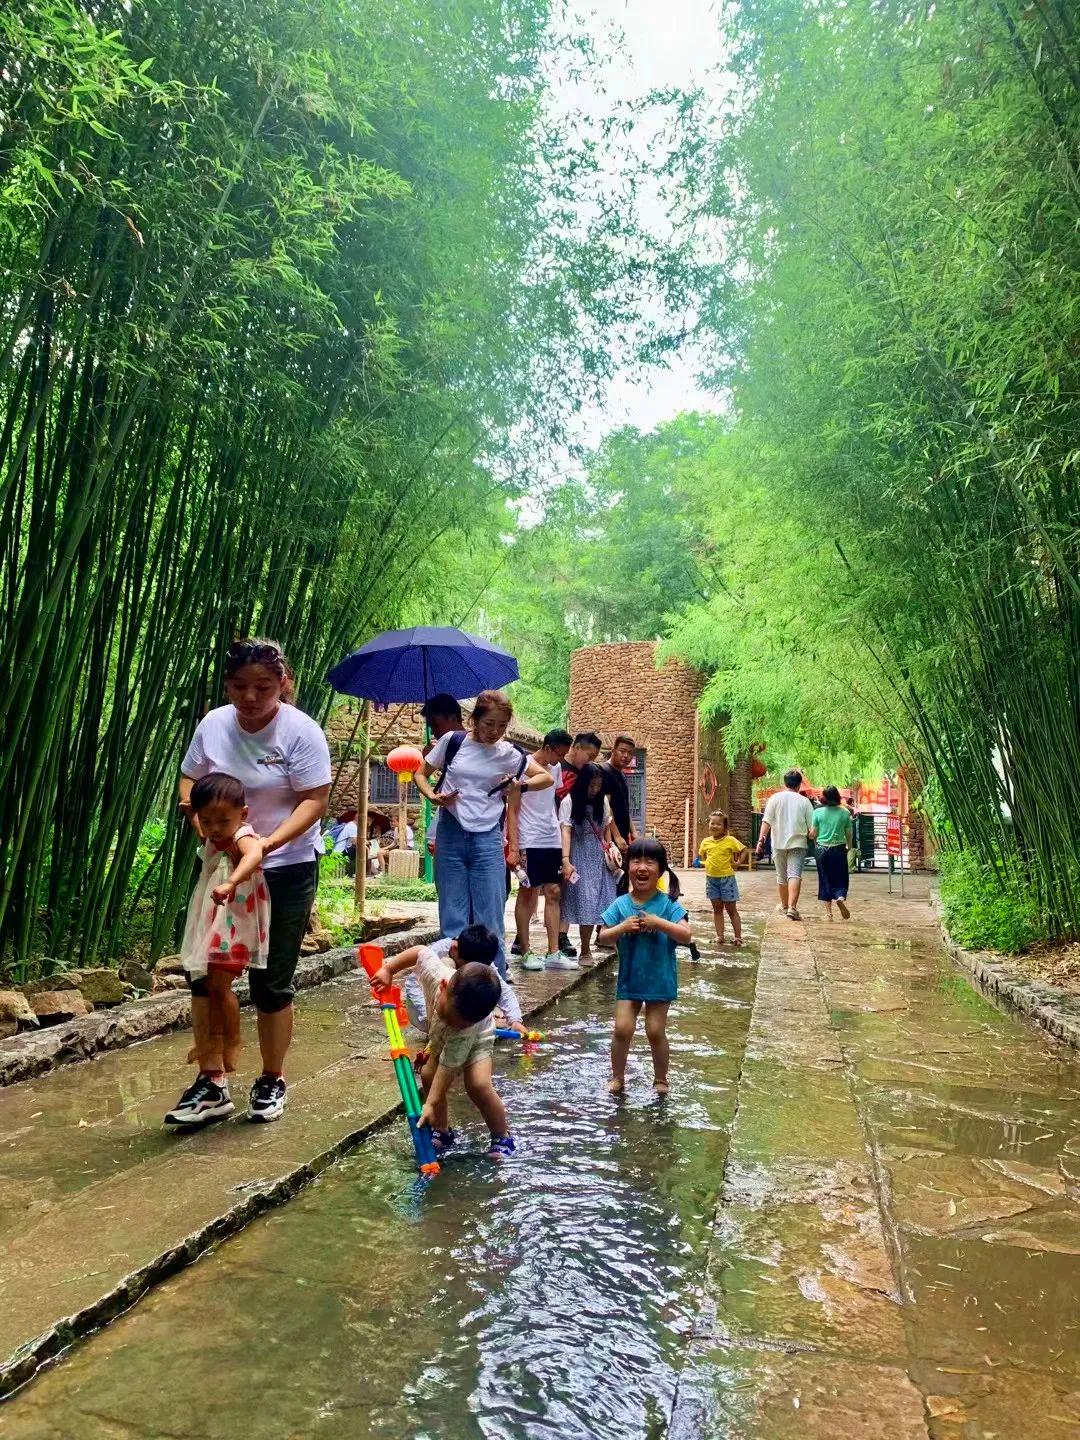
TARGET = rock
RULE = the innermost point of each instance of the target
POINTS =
(7, 1028)
(169, 980)
(15, 1010)
(132, 973)
(99, 986)
(54, 1006)
(61, 980)
(169, 965)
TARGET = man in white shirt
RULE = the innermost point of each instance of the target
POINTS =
(533, 827)
(789, 817)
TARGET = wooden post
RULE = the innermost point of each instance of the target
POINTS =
(695, 818)
(686, 835)
(362, 808)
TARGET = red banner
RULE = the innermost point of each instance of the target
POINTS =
(894, 838)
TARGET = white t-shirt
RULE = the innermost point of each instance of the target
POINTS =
(538, 820)
(288, 755)
(789, 816)
(473, 771)
(566, 816)
(345, 836)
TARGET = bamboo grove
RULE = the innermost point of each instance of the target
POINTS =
(280, 332)
(896, 190)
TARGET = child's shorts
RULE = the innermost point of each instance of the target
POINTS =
(721, 887)
(458, 1049)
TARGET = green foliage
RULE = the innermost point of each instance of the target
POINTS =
(895, 192)
(985, 910)
(289, 297)
(613, 557)
(402, 890)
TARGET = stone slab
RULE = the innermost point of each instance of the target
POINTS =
(113, 1203)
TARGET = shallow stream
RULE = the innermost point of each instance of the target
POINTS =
(551, 1296)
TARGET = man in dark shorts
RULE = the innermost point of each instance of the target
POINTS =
(618, 763)
(533, 827)
(583, 751)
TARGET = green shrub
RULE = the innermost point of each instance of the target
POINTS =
(982, 910)
(402, 890)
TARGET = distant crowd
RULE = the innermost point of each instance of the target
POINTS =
(255, 784)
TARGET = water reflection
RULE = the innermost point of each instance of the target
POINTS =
(551, 1296)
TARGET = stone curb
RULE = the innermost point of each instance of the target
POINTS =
(36, 1052)
(21, 1367)
(1048, 1005)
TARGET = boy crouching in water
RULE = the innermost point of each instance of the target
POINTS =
(459, 997)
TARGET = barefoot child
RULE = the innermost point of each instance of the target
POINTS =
(646, 925)
(227, 926)
(458, 1004)
(721, 852)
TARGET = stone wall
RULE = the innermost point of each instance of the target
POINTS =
(617, 688)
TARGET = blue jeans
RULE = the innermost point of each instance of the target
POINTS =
(470, 874)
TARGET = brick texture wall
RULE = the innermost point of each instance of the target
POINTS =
(617, 688)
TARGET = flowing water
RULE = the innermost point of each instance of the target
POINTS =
(551, 1296)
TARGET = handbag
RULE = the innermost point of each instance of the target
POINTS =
(610, 851)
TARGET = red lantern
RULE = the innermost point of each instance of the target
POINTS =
(404, 761)
(758, 769)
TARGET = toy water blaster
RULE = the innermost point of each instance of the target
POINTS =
(395, 1015)
(502, 1033)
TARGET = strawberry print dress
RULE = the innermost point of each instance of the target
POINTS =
(231, 936)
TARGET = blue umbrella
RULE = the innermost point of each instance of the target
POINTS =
(412, 665)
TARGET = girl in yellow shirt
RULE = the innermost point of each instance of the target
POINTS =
(721, 852)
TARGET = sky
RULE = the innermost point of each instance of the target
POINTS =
(665, 42)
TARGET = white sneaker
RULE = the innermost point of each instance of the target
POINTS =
(530, 961)
(558, 961)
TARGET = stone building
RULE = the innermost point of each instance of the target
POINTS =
(618, 689)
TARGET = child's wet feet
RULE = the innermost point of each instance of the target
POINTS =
(443, 1140)
(661, 1087)
(502, 1146)
(616, 1086)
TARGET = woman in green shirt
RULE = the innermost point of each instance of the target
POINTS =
(832, 835)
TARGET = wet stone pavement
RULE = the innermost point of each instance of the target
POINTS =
(858, 1215)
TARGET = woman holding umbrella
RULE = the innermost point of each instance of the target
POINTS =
(479, 774)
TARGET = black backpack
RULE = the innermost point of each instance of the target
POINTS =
(454, 744)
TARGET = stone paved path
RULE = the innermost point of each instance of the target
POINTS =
(98, 1201)
(897, 1248)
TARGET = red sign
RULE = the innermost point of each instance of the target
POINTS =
(893, 835)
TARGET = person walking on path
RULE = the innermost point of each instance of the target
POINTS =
(789, 819)
(533, 829)
(833, 835)
(443, 716)
(478, 770)
(281, 758)
(618, 763)
(721, 852)
(583, 751)
(585, 819)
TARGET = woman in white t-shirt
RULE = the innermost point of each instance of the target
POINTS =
(482, 770)
(281, 758)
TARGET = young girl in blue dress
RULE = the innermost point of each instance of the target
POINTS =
(646, 925)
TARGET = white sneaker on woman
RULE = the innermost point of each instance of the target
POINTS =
(531, 961)
(557, 961)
